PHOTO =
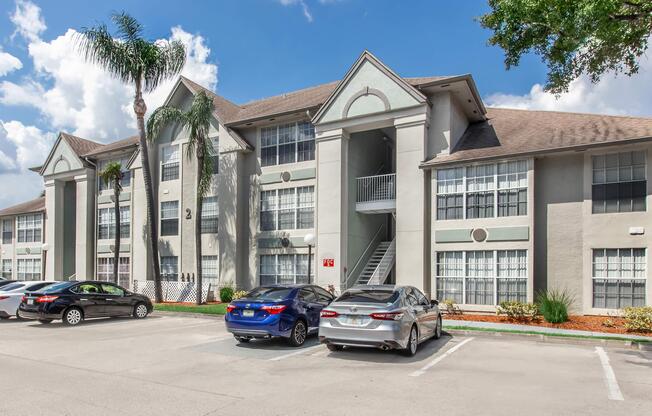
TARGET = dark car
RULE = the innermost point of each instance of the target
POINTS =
(5, 283)
(75, 301)
(290, 312)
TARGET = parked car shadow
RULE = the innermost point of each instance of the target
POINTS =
(277, 344)
(638, 358)
(426, 350)
(87, 322)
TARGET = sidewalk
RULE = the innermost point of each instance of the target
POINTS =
(541, 329)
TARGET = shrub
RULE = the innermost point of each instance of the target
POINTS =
(239, 294)
(451, 307)
(518, 311)
(554, 305)
(638, 319)
(226, 294)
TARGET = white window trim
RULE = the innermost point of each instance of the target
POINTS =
(111, 222)
(295, 266)
(29, 268)
(32, 222)
(296, 141)
(297, 206)
(164, 164)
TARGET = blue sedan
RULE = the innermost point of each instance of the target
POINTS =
(290, 312)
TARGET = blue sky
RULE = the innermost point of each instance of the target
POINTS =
(249, 49)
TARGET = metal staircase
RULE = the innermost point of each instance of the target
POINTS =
(379, 265)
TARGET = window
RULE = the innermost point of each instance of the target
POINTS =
(112, 290)
(29, 228)
(482, 191)
(105, 270)
(29, 269)
(619, 182)
(287, 143)
(170, 218)
(7, 231)
(87, 289)
(284, 269)
(215, 155)
(323, 296)
(209, 215)
(287, 209)
(106, 223)
(169, 163)
(6, 269)
(307, 295)
(619, 277)
(209, 268)
(126, 174)
(169, 268)
(479, 277)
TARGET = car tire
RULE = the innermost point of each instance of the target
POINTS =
(242, 340)
(73, 316)
(45, 321)
(18, 316)
(140, 311)
(299, 333)
(334, 347)
(439, 328)
(4, 317)
(413, 342)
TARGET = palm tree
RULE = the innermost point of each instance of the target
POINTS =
(145, 64)
(197, 121)
(112, 175)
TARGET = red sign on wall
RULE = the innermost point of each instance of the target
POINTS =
(329, 262)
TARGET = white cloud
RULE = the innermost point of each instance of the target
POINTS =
(28, 20)
(306, 10)
(8, 63)
(620, 95)
(6, 163)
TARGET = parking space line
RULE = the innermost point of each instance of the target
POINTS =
(438, 359)
(609, 376)
(292, 354)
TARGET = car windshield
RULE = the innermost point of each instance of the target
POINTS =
(56, 287)
(368, 296)
(269, 293)
(12, 286)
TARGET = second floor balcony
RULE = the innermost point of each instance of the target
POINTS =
(376, 194)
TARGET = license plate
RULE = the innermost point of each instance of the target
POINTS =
(248, 313)
(355, 320)
(30, 301)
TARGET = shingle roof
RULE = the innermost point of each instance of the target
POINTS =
(509, 132)
(80, 146)
(36, 205)
(119, 145)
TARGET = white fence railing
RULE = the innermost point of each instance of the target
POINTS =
(385, 266)
(376, 188)
(172, 291)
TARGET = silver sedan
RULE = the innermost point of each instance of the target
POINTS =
(386, 317)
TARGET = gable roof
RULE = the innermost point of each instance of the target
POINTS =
(80, 146)
(510, 132)
(35, 205)
(119, 145)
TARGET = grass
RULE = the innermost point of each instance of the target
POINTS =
(210, 309)
(516, 331)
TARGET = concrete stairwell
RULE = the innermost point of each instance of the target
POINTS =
(379, 264)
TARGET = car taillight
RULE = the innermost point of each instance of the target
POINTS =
(23, 299)
(274, 309)
(46, 299)
(329, 314)
(389, 316)
(4, 297)
(230, 308)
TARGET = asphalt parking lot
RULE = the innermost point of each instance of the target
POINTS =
(172, 365)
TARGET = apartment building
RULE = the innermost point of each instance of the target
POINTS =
(400, 180)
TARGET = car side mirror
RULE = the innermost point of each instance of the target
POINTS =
(434, 302)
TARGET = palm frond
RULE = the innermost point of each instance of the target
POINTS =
(162, 117)
(128, 28)
(112, 175)
(163, 61)
(98, 46)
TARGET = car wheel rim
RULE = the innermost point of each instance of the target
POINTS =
(74, 317)
(300, 333)
(141, 311)
(413, 341)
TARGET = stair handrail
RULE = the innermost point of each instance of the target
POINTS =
(384, 265)
(362, 260)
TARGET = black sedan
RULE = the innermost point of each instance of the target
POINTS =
(75, 301)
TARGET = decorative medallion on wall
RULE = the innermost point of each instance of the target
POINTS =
(479, 235)
(286, 176)
(285, 242)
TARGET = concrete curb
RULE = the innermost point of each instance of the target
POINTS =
(553, 339)
(189, 315)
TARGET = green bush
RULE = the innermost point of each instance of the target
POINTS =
(518, 311)
(226, 294)
(638, 319)
(554, 305)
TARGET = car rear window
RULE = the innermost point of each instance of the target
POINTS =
(12, 286)
(269, 293)
(56, 287)
(368, 296)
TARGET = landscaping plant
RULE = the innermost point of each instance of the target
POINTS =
(226, 294)
(518, 311)
(451, 307)
(239, 294)
(638, 319)
(554, 305)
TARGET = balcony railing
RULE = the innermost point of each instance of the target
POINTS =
(376, 193)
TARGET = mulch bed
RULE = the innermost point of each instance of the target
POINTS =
(608, 324)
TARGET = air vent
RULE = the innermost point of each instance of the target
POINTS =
(479, 235)
(286, 176)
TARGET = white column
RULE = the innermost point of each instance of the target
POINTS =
(412, 234)
(54, 229)
(332, 203)
(85, 226)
